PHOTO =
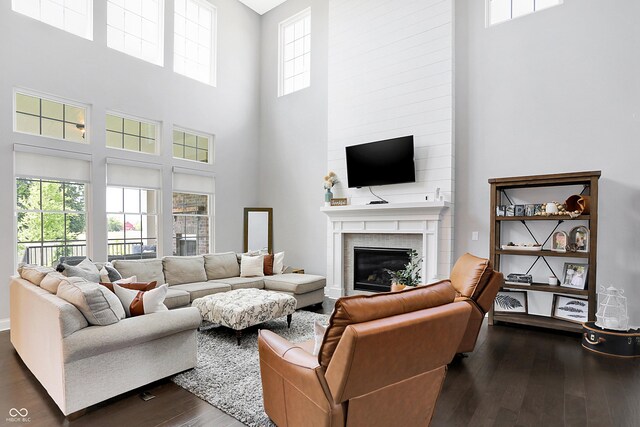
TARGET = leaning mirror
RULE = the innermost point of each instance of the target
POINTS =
(258, 229)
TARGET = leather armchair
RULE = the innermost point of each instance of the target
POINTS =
(477, 284)
(382, 361)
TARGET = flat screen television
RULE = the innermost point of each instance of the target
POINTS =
(380, 163)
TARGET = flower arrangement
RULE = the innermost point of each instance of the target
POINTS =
(330, 180)
(410, 275)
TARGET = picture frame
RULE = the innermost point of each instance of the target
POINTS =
(510, 302)
(518, 210)
(571, 309)
(574, 275)
(501, 210)
(529, 210)
(559, 241)
(510, 210)
(339, 201)
(579, 236)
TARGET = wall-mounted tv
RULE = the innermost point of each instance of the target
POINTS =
(380, 163)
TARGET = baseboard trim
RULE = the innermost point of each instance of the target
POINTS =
(4, 325)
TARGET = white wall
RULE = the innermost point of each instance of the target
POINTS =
(293, 143)
(42, 58)
(555, 91)
(391, 75)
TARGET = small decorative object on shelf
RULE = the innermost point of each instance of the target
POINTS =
(501, 210)
(553, 281)
(577, 204)
(575, 275)
(339, 201)
(510, 210)
(522, 247)
(559, 241)
(330, 180)
(579, 236)
(612, 309)
(518, 210)
(510, 302)
(551, 208)
(529, 210)
(519, 279)
(409, 275)
(570, 309)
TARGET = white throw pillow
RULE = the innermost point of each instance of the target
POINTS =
(252, 266)
(132, 279)
(278, 263)
(152, 301)
(104, 275)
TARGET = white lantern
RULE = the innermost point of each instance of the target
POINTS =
(612, 309)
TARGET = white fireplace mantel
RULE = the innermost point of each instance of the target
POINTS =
(421, 218)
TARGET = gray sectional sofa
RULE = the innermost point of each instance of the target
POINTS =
(191, 277)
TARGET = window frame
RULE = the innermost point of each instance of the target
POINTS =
(209, 217)
(125, 116)
(210, 145)
(89, 24)
(487, 14)
(59, 100)
(281, 45)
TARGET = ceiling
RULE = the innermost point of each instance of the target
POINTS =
(262, 6)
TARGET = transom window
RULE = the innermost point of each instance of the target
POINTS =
(132, 223)
(190, 224)
(73, 16)
(131, 134)
(295, 53)
(504, 10)
(136, 28)
(191, 146)
(51, 220)
(194, 40)
(53, 119)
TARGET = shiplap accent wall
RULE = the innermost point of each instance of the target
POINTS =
(390, 75)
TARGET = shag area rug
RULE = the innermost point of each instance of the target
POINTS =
(228, 376)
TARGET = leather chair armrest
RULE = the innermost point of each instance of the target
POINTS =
(288, 351)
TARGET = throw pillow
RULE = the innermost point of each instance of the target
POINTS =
(104, 276)
(113, 273)
(268, 265)
(318, 335)
(33, 273)
(99, 306)
(278, 263)
(132, 279)
(51, 281)
(86, 269)
(251, 266)
(137, 303)
(134, 286)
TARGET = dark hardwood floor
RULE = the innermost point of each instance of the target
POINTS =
(515, 377)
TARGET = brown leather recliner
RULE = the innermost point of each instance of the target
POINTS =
(382, 361)
(477, 284)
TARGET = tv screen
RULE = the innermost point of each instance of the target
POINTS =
(381, 162)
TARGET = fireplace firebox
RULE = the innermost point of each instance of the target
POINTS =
(369, 266)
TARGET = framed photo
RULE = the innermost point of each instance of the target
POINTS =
(510, 210)
(559, 241)
(538, 209)
(575, 275)
(519, 210)
(579, 236)
(510, 302)
(529, 210)
(570, 309)
(339, 201)
(501, 210)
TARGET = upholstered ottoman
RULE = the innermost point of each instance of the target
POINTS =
(241, 308)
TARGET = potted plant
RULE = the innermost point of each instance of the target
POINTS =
(409, 276)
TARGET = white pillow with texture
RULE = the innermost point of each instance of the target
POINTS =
(104, 275)
(278, 263)
(132, 279)
(252, 266)
(152, 301)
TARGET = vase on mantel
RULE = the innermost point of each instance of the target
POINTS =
(327, 197)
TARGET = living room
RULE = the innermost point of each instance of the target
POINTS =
(484, 96)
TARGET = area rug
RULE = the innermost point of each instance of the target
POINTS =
(228, 376)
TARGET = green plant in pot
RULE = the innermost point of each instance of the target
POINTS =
(409, 275)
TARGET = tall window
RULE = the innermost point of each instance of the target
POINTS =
(194, 40)
(132, 223)
(504, 10)
(50, 118)
(295, 53)
(73, 16)
(191, 146)
(190, 224)
(51, 220)
(131, 134)
(136, 28)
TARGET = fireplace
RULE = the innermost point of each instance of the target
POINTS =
(369, 266)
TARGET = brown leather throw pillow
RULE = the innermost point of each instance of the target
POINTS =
(134, 286)
(268, 264)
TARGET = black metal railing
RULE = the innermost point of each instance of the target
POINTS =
(50, 255)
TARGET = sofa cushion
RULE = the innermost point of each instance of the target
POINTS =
(363, 308)
(184, 269)
(51, 281)
(242, 282)
(138, 303)
(176, 298)
(108, 273)
(251, 266)
(34, 273)
(202, 289)
(130, 332)
(147, 270)
(294, 283)
(98, 305)
(470, 274)
(222, 265)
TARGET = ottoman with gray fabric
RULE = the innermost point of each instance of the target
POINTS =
(240, 308)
